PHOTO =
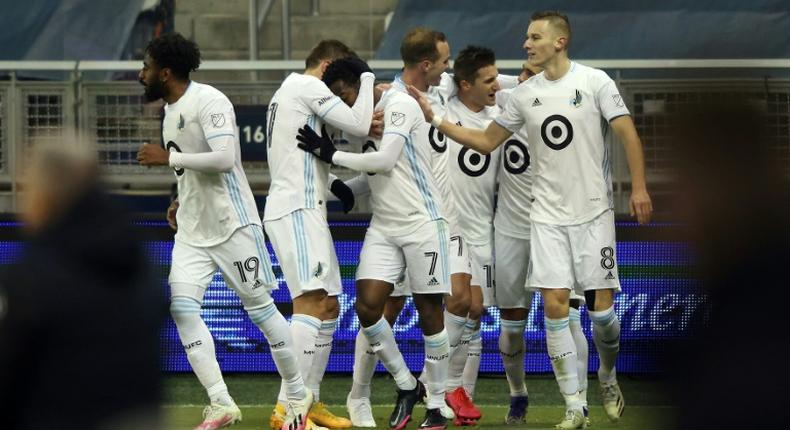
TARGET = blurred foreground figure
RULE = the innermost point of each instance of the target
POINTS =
(733, 195)
(79, 315)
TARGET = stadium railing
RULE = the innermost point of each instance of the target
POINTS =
(102, 101)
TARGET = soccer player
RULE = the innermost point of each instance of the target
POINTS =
(472, 178)
(408, 232)
(573, 238)
(426, 55)
(295, 212)
(511, 245)
(217, 225)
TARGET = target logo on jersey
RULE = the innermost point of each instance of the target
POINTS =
(556, 132)
(437, 139)
(515, 157)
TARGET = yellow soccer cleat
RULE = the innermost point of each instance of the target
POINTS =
(320, 415)
(278, 417)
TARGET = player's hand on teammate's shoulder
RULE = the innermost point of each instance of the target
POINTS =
(171, 215)
(641, 206)
(320, 146)
(425, 105)
(377, 125)
(153, 155)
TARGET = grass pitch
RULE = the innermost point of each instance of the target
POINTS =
(646, 406)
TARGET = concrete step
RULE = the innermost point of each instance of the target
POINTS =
(227, 32)
(358, 31)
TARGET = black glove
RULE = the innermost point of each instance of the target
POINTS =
(320, 146)
(343, 193)
(356, 65)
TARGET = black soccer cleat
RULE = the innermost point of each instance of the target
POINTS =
(404, 405)
(434, 420)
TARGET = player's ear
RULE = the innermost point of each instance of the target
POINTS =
(560, 43)
(324, 64)
(425, 65)
(465, 85)
(165, 74)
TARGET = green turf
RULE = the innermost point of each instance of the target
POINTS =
(646, 407)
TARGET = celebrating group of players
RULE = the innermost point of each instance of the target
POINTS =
(431, 161)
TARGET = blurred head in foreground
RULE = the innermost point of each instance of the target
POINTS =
(733, 197)
(80, 316)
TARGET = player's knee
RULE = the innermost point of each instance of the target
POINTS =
(475, 310)
(331, 307)
(182, 308)
(366, 312)
(458, 305)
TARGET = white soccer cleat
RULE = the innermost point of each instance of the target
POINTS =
(447, 412)
(613, 401)
(360, 412)
(216, 416)
(296, 412)
(574, 419)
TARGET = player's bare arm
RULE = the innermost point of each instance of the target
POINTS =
(482, 141)
(640, 203)
(171, 215)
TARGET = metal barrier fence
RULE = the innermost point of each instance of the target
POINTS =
(114, 115)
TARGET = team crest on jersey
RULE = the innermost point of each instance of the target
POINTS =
(397, 118)
(618, 101)
(576, 101)
(217, 120)
(180, 125)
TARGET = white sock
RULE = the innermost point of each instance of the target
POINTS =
(437, 357)
(582, 351)
(382, 341)
(275, 327)
(512, 349)
(606, 335)
(364, 367)
(562, 353)
(472, 366)
(458, 347)
(304, 330)
(323, 346)
(199, 347)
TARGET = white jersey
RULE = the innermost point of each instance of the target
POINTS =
(211, 205)
(406, 197)
(438, 96)
(298, 178)
(515, 182)
(473, 175)
(572, 172)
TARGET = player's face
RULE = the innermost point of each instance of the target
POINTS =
(347, 93)
(483, 91)
(540, 43)
(150, 79)
(436, 68)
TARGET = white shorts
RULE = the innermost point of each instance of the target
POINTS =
(402, 288)
(421, 254)
(303, 246)
(242, 260)
(459, 255)
(580, 257)
(512, 261)
(482, 258)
